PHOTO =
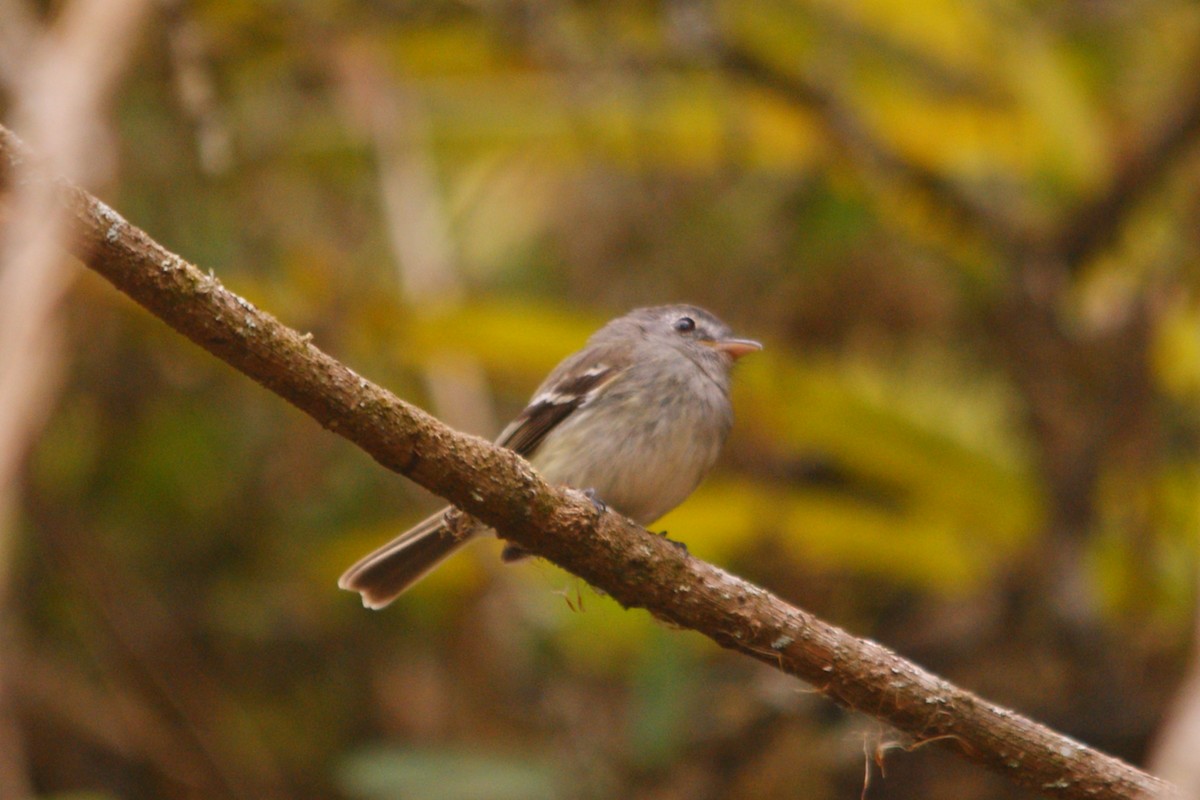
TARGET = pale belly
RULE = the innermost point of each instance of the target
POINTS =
(647, 469)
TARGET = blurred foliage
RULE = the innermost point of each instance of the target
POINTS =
(972, 434)
(448, 776)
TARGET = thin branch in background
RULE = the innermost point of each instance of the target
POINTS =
(156, 653)
(636, 568)
(1078, 238)
(842, 33)
(1175, 753)
(872, 157)
(107, 717)
(418, 228)
(195, 86)
(58, 103)
(1099, 221)
(59, 82)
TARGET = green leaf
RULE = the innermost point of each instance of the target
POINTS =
(437, 774)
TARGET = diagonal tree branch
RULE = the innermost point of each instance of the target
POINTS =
(1079, 236)
(1098, 221)
(638, 569)
(861, 147)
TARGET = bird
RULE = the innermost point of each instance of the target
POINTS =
(636, 419)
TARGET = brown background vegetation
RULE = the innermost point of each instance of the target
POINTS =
(966, 232)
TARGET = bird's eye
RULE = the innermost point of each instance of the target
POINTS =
(685, 324)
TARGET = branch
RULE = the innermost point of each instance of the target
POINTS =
(1081, 235)
(638, 569)
(1174, 752)
(861, 148)
(58, 78)
(1098, 222)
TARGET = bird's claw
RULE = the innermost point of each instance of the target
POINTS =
(681, 545)
(595, 500)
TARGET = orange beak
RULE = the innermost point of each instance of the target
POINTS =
(736, 348)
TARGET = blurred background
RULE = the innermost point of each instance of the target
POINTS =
(967, 233)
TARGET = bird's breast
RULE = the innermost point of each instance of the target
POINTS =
(643, 452)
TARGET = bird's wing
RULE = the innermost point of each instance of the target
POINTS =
(575, 382)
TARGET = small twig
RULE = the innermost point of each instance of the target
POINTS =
(866, 783)
(195, 88)
(1174, 752)
(1098, 222)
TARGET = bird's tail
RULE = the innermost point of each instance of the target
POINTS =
(380, 577)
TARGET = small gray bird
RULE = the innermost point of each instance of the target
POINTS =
(637, 418)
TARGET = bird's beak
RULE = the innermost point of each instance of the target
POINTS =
(736, 348)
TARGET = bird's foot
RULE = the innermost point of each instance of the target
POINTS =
(595, 500)
(681, 545)
(513, 552)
